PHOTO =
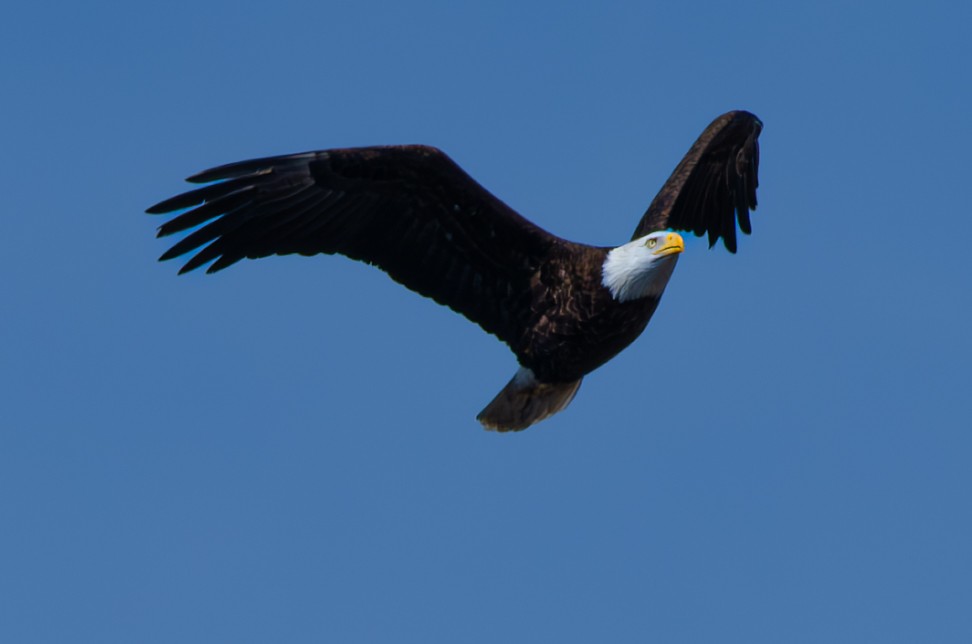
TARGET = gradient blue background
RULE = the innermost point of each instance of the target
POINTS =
(287, 451)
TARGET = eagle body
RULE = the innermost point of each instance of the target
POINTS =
(563, 308)
(576, 324)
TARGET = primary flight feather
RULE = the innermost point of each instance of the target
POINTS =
(563, 308)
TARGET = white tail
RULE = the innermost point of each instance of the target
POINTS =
(525, 401)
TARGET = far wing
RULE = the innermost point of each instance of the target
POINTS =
(714, 185)
(410, 210)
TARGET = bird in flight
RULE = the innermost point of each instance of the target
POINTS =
(563, 308)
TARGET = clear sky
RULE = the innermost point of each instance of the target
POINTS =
(288, 451)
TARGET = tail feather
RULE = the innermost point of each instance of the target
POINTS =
(525, 401)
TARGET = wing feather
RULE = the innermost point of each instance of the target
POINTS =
(713, 188)
(410, 210)
(207, 211)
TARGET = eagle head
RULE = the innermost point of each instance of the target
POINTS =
(641, 267)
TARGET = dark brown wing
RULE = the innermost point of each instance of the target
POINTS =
(410, 210)
(714, 185)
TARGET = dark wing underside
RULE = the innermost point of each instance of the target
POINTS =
(410, 210)
(714, 185)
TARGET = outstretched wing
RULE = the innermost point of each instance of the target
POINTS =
(410, 210)
(714, 185)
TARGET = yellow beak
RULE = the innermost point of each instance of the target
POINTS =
(671, 245)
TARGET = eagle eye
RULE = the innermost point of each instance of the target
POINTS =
(652, 242)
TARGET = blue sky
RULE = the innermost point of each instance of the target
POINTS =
(287, 451)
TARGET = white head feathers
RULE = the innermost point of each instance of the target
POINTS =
(641, 268)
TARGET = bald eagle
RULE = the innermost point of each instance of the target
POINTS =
(563, 308)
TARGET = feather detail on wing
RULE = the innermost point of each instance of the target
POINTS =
(410, 210)
(714, 186)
